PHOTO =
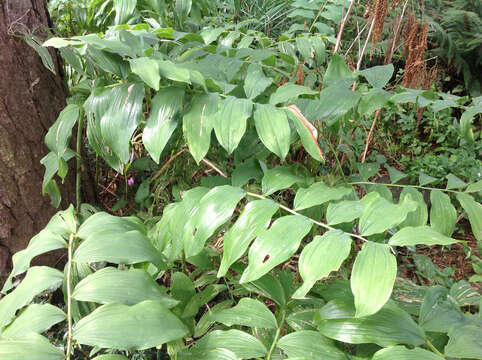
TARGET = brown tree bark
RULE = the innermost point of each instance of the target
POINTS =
(31, 98)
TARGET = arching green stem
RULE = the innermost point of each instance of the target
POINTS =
(401, 185)
(291, 211)
(78, 180)
(69, 298)
(276, 336)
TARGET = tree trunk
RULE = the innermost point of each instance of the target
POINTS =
(31, 98)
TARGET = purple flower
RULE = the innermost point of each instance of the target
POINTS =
(130, 182)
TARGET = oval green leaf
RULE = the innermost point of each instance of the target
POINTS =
(118, 326)
(333, 247)
(420, 235)
(275, 245)
(372, 278)
(254, 219)
(126, 287)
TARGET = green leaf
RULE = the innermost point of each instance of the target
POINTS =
(207, 354)
(49, 186)
(183, 8)
(215, 208)
(162, 122)
(381, 215)
(126, 287)
(389, 326)
(319, 49)
(123, 10)
(268, 286)
(255, 82)
(198, 123)
(347, 210)
(418, 217)
(246, 171)
(142, 192)
(463, 293)
(123, 327)
(334, 247)
(119, 247)
(335, 101)
(41, 243)
(230, 122)
(336, 71)
(57, 42)
(373, 100)
(78, 272)
(289, 91)
(475, 187)
(301, 343)
(419, 235)
(110, 357)
(244, 345)
(106, 61)
(96, 106)
(201, 298)
(59, 134)
(148, 71)
(210, 35)
(279, 178)
(120, 120)
(248, 312)
(172, 227)
(275, 245)
(34, 318)
(443, 215)
(174, 72)
(370, 290)
(273, 129)
(32, 346)
(254, 219)
(182, 288)
(474, 211)
(103, 221)
(304, 47)
(424, 179)
(38, 279)
(378, 76)
(453, 182)
(307, 132)
(439, 311)
(402, 353)
(344, 211)
(466, 122)
(318, 194)
(464, 342)
(206, 320)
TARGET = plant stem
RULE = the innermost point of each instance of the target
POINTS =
(433, 348)
(364, 155)
(402, 186)
(78, 180)
(276, 336)
(69, 298)
(342, 26)
(317, 16)
(337, 160)
(291, 211)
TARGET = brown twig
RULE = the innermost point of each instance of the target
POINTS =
(166, 164)
(342, 26)
(389, 56)
(360, 57)
(214, 167)
(364, 155)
